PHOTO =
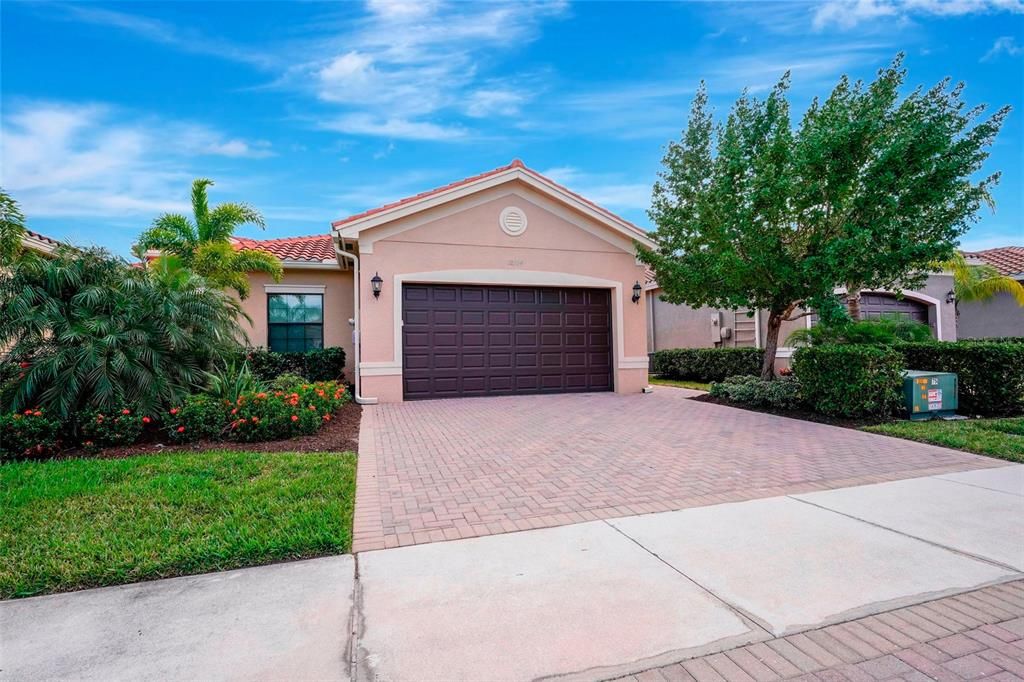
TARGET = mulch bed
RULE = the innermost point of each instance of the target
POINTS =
(341, 434)
(805, 415)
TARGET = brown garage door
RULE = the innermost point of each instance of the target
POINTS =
(489, 340)
(876, 306)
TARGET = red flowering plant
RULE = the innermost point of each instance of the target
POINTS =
(280, 414)
(198, 417)
(105, 428)
(28, 434)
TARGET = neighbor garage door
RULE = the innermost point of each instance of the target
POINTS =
(491, 340)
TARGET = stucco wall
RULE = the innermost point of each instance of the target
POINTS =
(463, 240)
(680, 326)
(338, 306)
(999, 316)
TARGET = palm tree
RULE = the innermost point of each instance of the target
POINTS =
(203, 243)
(90, 332)
(980, 282)
(12, 228)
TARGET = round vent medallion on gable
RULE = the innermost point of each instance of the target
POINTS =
(512, 221)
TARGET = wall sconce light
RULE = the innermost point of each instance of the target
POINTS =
(951, 296)
(636, 292)
(375, 284)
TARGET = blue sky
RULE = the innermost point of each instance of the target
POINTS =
(312, 111)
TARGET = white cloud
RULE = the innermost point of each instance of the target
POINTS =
(395, 128)
(62, 159)
(408, 69)
(848, 13)
(186, 40)
(494, 102)
(1004, 45)
(608, 190)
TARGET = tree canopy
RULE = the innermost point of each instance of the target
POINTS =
(203, 244)
(864, 193)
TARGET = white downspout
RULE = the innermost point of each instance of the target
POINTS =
(356, 342)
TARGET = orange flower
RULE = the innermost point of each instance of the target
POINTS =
(327, 417)
(38, 413)
(255, 420)
(146, 420)
(28, 411)
(126, 411)
(234, 411)
(295, 417)
(261, 395)
(174, 410)
(312, 408)
(181, 429)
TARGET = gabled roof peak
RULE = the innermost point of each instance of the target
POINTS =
(515, 170)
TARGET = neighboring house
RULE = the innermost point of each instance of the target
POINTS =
(502, 283)
(39, 243)
(1000, 315)
(680, 326)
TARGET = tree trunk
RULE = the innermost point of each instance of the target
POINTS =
(771, 346)
(853, 302)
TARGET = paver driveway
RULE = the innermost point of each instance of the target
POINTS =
(449, 469)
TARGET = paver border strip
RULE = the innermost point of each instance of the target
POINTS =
(935, 638)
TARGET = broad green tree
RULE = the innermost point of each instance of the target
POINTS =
(864, 193)
(203, 243)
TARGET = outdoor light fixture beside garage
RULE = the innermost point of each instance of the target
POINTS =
(375, 284)
(636, 292)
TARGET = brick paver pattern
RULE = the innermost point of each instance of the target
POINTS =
(449, 469)
(970, 636)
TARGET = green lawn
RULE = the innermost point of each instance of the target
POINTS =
(695, 385)
(80, 523)
(1002, 438)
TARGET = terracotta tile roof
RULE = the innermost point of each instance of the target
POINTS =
(42, 238)
(516, 163)
(1008, 260)
(315, 248)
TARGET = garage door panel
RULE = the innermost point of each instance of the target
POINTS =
(478, 340)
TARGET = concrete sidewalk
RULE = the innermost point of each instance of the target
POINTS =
(588, 601)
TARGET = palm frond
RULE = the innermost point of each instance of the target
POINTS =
(170, 233)
(226, 218)
(257, 260)
(200, 205)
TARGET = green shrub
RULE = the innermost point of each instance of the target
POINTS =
(199, 417)
(322, 364)
(856, 381)
(29, 433)
(106, 428)
(706, 364)
(89, 332)
(781, 394)
(232, 379)
(279, 414)
(990, 375)
(882, 332)
(287, 381)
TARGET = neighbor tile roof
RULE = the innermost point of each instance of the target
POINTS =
(315, 248)
(1008, 260)
(42, 238)
(516, 163)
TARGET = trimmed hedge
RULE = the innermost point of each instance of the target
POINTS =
(322, 364)
(990, 375)
(855, 381)
(782, 393)
(706, 364)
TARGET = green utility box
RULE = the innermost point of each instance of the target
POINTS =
(929, 395)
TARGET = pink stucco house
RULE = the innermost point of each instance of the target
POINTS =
(501, 283)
